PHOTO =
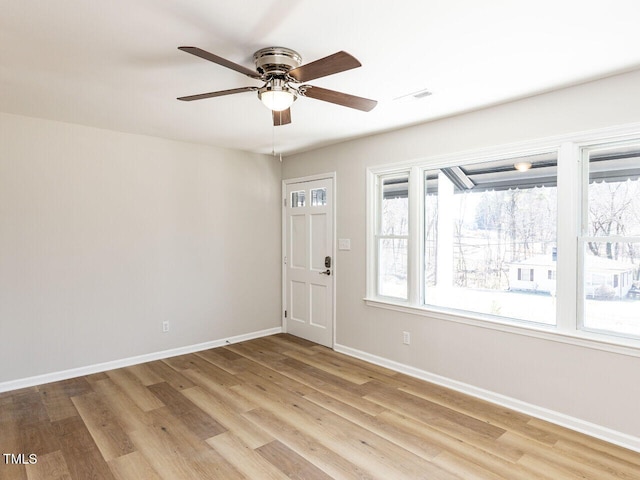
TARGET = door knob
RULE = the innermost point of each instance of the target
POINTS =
(326, 272)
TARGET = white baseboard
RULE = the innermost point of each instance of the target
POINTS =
(612, 436)
(126, 362)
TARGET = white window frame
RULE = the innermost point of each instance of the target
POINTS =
(569, 271)
(583, 236)
(379, 236)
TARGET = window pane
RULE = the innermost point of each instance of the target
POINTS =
(490, 238)
(318, 197)
(610, 270)
(392, 267)
(395, 206)
(614, 192)
(611, 288)
(430, 228)
(297, 199)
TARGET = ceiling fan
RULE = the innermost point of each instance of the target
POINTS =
(279, 68)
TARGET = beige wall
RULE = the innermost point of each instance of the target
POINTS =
(105, 235)
(595, 386)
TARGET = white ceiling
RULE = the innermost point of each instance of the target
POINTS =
(114, 64)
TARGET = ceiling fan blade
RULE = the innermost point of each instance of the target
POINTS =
(338, 62)
(338, 98)
(198, 52)
(281, 118)
(219, 93)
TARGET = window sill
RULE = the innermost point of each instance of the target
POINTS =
(594, 341)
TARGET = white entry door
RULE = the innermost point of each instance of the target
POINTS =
(308, 259)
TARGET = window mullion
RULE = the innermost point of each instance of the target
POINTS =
(569, 202)
(414, 253)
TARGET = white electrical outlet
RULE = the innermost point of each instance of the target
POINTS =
(165, 327)
(406, 338)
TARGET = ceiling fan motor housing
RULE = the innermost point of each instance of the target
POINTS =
(276, 60)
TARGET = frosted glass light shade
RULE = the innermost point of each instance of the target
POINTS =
(277, 100)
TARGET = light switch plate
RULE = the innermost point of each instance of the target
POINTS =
(344, 244)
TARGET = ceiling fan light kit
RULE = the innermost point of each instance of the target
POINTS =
(277, 96)
(279, 68)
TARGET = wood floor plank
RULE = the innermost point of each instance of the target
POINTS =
(134, 389)
(327, 460)
(28, 428)
(355, 365)
(169, 375)
(355, 376)
(194, 418)
(461, 426)
(464, 468)
(128, 413)
(247, 460)
(163, 453)
(290, 463)
(199, 364)
(51, 466)
(145, 374)
(232, 420)
(259, 354)
(549, 470)
(13, 472)
(602, 461)
(328, 384)
(57, 395)
(283, 407)
(230, 396)
(539, 454)
(356, 444)
(81, 454)
(400, 437)
(485, 411)
(580, 440)
(109, 436)
(260, 373)
(283, 343)
(224, 359)
(178, 453)
(133, 466)
(468, 452)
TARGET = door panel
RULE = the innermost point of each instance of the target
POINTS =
(318, 237)
(299, 307)
(298, 241)
(309, 238)
(318, 306)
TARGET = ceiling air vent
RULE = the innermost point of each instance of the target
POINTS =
(415, 95)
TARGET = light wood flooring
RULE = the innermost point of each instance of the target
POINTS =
(280, 407)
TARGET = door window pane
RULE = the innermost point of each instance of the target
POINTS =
(297, 199)
(490, 238)
(318, 197)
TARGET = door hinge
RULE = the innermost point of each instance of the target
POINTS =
(285, 314)
(285, 260)
(284, 202)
